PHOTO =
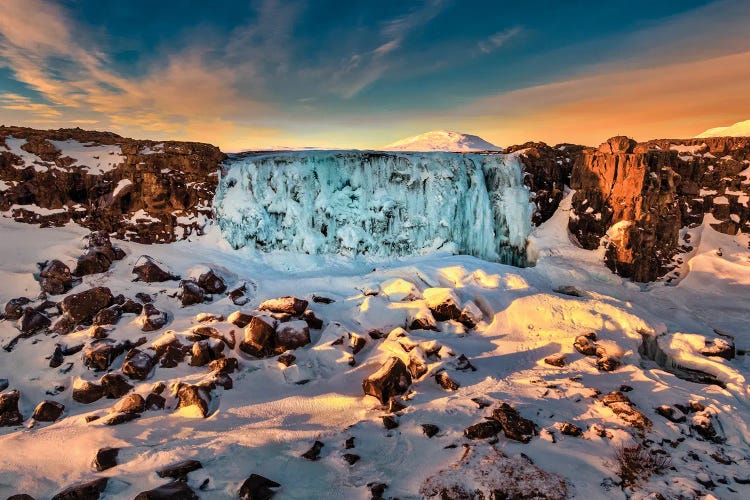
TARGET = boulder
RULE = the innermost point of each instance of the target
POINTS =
(81, 307)
(237, 294)
(446, 382)
(312, 321)
(195, 397)
(146, 269)
(108, 316)
(179, 470)
(138, 364)
(471, 315)
(224, 365)
(257, 487)
(152, 319)
(291, 335)
(621, 406)
(32, 321)
(100, 354)
(205, 351)
(314, 452)
(132, 403)
(568, 429)
(90, 490)
(87, 392)
(391, 379)
(443, 303)
(211, 282)
(48, 411)
(121, 418)
(190, 293)
(240, 319)
(132, 307)
(106, 458)
(514, 425)
(289, 305)
(9, 414)
(155, 401)
(114, 385)
(557, 360)
(585, 345)
(14, 307)
(259, 336)
(722, 348)
(55, 278)
(483, 430)
(430, 429)
(176, 490)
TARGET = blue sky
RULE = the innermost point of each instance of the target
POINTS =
(362, 74)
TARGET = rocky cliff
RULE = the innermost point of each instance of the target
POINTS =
(140, 190)
(639, 195)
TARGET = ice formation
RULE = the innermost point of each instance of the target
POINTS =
(376, 204)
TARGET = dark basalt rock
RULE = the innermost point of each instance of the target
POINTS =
(314, 452)
(514, 425)
(224, 365)
(257, 487)
(446, 382)
(109, 316)
(190, 293)
(287, 359)
(114, 385)
(390, 380)
(430, 429)
(351, 458)
(91, 490)
(585, 345)
(152, 319)
(291, 335)
(177, 490)
(211, 282)
(81, 307)
(389, 422)
(138, 364)
(322, 300)
(55, 278)
(14, 307)
(722, 348)
(568, 429)
(671, 414)
(146, 269)
(121, 418)
(312, 321)
(100, 354)
(86, 392)
(179, 470)
(259, 334)
(48, 411)
(106, 458)
(32, 321)
(240, 319)
(557, 360)
(155, 401)
(289, 305)
(132, 403)
(9, 414)
(483, 430)
(194, 395)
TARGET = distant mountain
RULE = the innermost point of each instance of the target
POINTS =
(442, 140)
(739, 129)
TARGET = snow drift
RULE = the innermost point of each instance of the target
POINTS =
(442, 140)
(377, 204)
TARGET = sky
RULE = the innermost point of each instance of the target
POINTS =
(343, 74)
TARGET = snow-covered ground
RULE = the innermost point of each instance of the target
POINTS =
(275, 413)
(739, 129)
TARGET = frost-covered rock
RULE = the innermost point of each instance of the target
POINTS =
(83, 306)
(9, 414)
(376, 203)
(289, 305)
(443, 303)
(391, 379)
(291, 335)
(148, 270)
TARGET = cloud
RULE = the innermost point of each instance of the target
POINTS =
(497, 40)
(15, 102)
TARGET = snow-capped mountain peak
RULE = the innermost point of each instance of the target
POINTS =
(442, 140)
(739, 129)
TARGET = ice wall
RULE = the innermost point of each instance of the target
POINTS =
(376, 204)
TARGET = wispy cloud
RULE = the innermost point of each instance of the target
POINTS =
(499, 39)
(15, 102)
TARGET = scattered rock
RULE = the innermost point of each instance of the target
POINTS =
(314, 452)
(190, 293)
(585, 345)
(194, 396)
(121, 418)
(514, 425)
(87, 392)
(568, 429)
(430, 429)
(131, 307)
(55, 278)
(106, 458)
(240, 319)
(152, 319)
(290, 305)
(14, 307)
(389, 422)
(312, 321)
(176, 490)
(423, 320)
(138, 364)
(144, 297)
(417, 365)
(556, 360)
(322, 300)
(259, 336)
(90, 490)
(132, 403)
(179, 470)
(377, 490)
(287, 359)
(108, 316)
(671, 414)
(114, 385)
(224, 365)
(446, 382)
(9, 414)
(146, 269)
(356, 342)
(571, 290)
(443, 303)
(257, 487)
(351, 458)
(483, 430)
(100, 354)
(48, 411)
(291, 335)
(4, 384)
(625, 410)
(722, 348)
(390, 380)
(81, 307)
(607, 363)
(32, 321)
(155, 401)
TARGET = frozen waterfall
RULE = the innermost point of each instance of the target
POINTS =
(376, 203)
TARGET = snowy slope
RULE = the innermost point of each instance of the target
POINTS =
(739, 129)
(275, 413)
(442, 140)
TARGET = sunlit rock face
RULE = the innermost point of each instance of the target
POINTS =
(140, 190)
(377, 204)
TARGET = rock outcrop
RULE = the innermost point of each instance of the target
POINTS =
(140, 190)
